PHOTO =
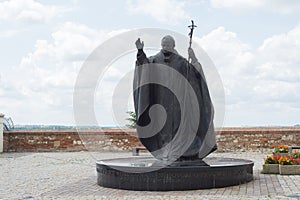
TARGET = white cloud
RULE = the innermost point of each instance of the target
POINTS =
(286, 45)
(8, 33)
(54, 64)
(43, 83)
(277, 6)
(280, 57)
(28, 11)
(235, 4)
(233, 59)
(226, 49)
(258, 82)
(166, 11)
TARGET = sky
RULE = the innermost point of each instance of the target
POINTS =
(254, 45)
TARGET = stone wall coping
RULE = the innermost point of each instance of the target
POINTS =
(258, 130)
(227, 130)
(106, 132)
(262, 128)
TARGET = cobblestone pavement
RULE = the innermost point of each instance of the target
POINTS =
(73, 176)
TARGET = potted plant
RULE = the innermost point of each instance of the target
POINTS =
(290, 165)
(295, 155)
(271, 165)
(282, 150)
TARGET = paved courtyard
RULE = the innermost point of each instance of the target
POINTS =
(72, 175)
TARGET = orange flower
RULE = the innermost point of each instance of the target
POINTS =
(276, 156)
(285, 161)
(282, 149)
(271, 160)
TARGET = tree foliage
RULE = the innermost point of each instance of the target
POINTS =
(131, 120)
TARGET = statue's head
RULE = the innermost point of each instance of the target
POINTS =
(168, 43)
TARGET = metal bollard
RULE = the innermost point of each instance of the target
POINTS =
(135, 151)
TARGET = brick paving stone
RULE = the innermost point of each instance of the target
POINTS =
(220, 191)
(242, 191)
(227, 192)
(250, 187)
(205, 192)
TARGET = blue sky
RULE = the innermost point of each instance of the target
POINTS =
(254, 45)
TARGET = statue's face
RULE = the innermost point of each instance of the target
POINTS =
(167, 45)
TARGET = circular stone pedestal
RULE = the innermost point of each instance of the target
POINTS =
(146, 173)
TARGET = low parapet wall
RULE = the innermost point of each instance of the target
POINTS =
(228, 139)
(257, 139)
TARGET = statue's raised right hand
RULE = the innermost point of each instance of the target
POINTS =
(139, 44)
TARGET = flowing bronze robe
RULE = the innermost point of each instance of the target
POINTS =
(187, 130)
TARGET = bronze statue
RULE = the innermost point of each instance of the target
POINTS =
(185, 123)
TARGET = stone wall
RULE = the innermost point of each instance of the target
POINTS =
(69, 140)
(257, 139)
(228, 139)
(1, 132)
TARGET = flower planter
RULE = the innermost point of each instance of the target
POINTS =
(270, 169)
(289, 169)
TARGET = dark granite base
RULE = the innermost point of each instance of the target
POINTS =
(145, 173)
